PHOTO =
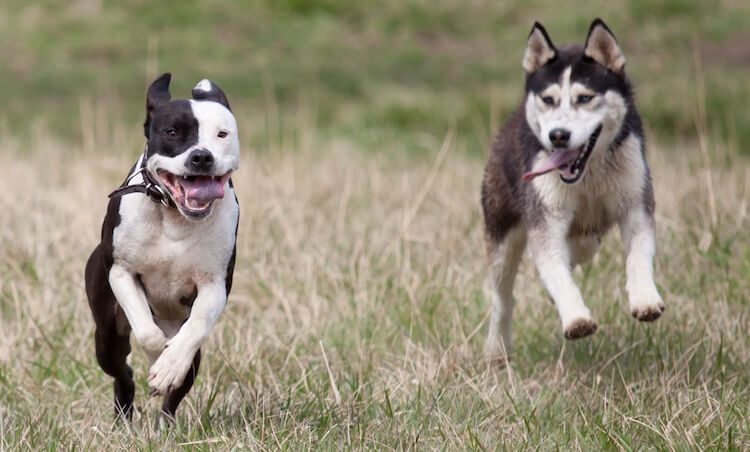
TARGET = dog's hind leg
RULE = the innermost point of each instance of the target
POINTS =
(174, 397)
(112, 335)
(583, 249)
(504, 260)
(112, 350)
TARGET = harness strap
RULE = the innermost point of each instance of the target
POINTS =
(148, 186)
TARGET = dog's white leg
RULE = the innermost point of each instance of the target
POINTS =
(637, 231)
(169, 370)
(503, 268)
(133, 302)
(549, 248)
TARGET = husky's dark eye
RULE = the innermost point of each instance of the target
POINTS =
(584, 99)
(548, 100)
(172, 133)
(222, 134)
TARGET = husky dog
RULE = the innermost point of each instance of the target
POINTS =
(568, 165)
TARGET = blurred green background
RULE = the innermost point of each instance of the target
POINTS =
(389, 76)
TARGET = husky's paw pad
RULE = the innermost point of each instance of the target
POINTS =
(580, 328)
(648, 313)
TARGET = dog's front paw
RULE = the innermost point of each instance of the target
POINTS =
(580, 328)
(169, 370)
(152, 341)
(647, 309)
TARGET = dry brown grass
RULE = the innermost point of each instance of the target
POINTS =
(357, 314)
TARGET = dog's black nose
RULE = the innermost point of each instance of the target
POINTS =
(200, 160)
(559, 137)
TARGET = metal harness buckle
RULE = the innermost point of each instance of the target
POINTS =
(151, 189)
(163, 197)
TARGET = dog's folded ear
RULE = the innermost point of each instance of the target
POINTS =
(158, 93)
(601, 46)
(208, 90)
(539, 49)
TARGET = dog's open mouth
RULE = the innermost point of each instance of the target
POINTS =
(570, 162)
(193, 194)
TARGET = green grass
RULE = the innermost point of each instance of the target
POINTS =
(350, 328)
(392, 72)
(357, 315)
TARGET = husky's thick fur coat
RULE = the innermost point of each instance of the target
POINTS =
(569, 164)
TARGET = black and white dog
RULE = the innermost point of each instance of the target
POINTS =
(164, 266)
(568, 165)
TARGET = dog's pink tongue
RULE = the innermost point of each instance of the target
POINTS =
(202, 189)
(557, 159)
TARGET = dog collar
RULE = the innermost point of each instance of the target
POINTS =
(149, 187)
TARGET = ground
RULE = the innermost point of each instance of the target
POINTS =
(357, 315)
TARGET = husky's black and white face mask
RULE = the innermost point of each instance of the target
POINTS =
(192, 147)
(576, 99)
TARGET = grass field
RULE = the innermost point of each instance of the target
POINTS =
(357, 316)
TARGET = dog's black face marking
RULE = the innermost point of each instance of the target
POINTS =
(173, 129)
(584, 70)
(170, 126)
(598, 64)
(598, 78)
(206, 90)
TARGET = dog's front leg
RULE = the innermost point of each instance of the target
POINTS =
(637, 231)
(549, 248)
(133, 301)
(169, 371)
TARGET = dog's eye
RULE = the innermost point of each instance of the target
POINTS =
(584, 99)
(172, 133)
(549, 100)
(222, 134)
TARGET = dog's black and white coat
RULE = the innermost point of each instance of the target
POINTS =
(568, 165)
(164, 266)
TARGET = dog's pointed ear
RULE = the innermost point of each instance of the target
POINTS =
(539, 49)
(601, 46)
(158, 93)
(208, 90)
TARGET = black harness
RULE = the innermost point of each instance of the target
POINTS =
(148, 186)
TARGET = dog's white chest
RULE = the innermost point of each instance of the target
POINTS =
(593, 216)
(611, 186)
(166, 269)
(171, 257)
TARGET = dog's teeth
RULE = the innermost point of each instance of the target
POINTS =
(195, 205)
